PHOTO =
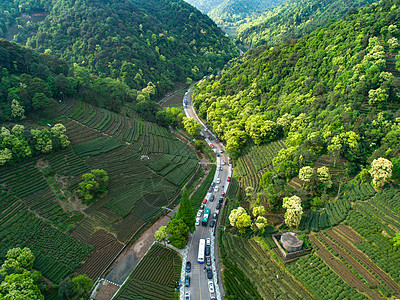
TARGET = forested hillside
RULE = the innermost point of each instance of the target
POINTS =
(293, 19)
(334, 92)
(229, 14)
(135, 41)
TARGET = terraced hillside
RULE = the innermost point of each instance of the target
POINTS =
(154, 277)
(146, 165)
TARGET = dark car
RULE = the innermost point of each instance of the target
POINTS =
(207, 250)
(218, 206)
(217, 155)
(212, 198)
(188, 266)
(215, 215)
(221, 199)
(210, 189)
(209, 273)
(187, 281)
(208, 261)
(212, 223)
(202, 207)
(212, 184)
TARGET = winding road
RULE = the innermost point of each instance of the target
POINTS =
(198, 288)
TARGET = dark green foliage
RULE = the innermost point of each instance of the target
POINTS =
(293, 19)
(201, 192)
(185, 211)
(93, 185)
(66, 289)
(135, 41)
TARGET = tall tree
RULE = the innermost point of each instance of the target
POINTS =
(294, 211)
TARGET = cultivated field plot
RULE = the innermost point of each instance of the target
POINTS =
(257, 160)
(360, 251)
(335, 212)
(57, 254)
(255, 262)
(68, 236)
(154, 277)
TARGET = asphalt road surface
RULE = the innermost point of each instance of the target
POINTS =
(198, 276)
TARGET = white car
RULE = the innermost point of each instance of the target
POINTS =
(208, 242)
(199, 213)
(218, 180)
(223, 163)
(187, 296)
(216, 188)
(211, 287)
(197, 221)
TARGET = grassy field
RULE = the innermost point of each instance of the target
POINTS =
(147, 167)
(154, 277)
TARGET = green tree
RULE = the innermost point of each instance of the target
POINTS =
(192, 126)
(40, 101)
(243, 221)
(21, 287)
(94, 184)
(17, 111)
(185, 211)
(294, 211)
(82, 285)
(66, 289)
(17, 261)
(381, 171)
(20, 281)
(161, 234)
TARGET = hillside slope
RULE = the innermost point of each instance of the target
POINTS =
(293, 19)
(342, 74)
(229, 14)
(132, 40)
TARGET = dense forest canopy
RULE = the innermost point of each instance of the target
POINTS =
(137, 42)
(293, 19)
(229, 14)
(31, 82)
(335, 91)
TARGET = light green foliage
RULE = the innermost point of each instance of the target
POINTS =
(17, 260)
(243, 221)
(18, 130)
(378, 96)
(42, 139)
(294, 211)
(258, 211)
(381, 171)
(17, 111)
(324, 177)
(20, 281)
(234, 215)
(161, 234)
(306, 174)
(94, 184)
(260, 129)
(396, 240)
(260, 223)
(5, 156)
(192, 126)
(21, 286)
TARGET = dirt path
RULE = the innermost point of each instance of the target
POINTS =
(128, 260)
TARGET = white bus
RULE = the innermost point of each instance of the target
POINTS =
(202, 245)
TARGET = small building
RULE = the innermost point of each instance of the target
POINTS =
(291, 242)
